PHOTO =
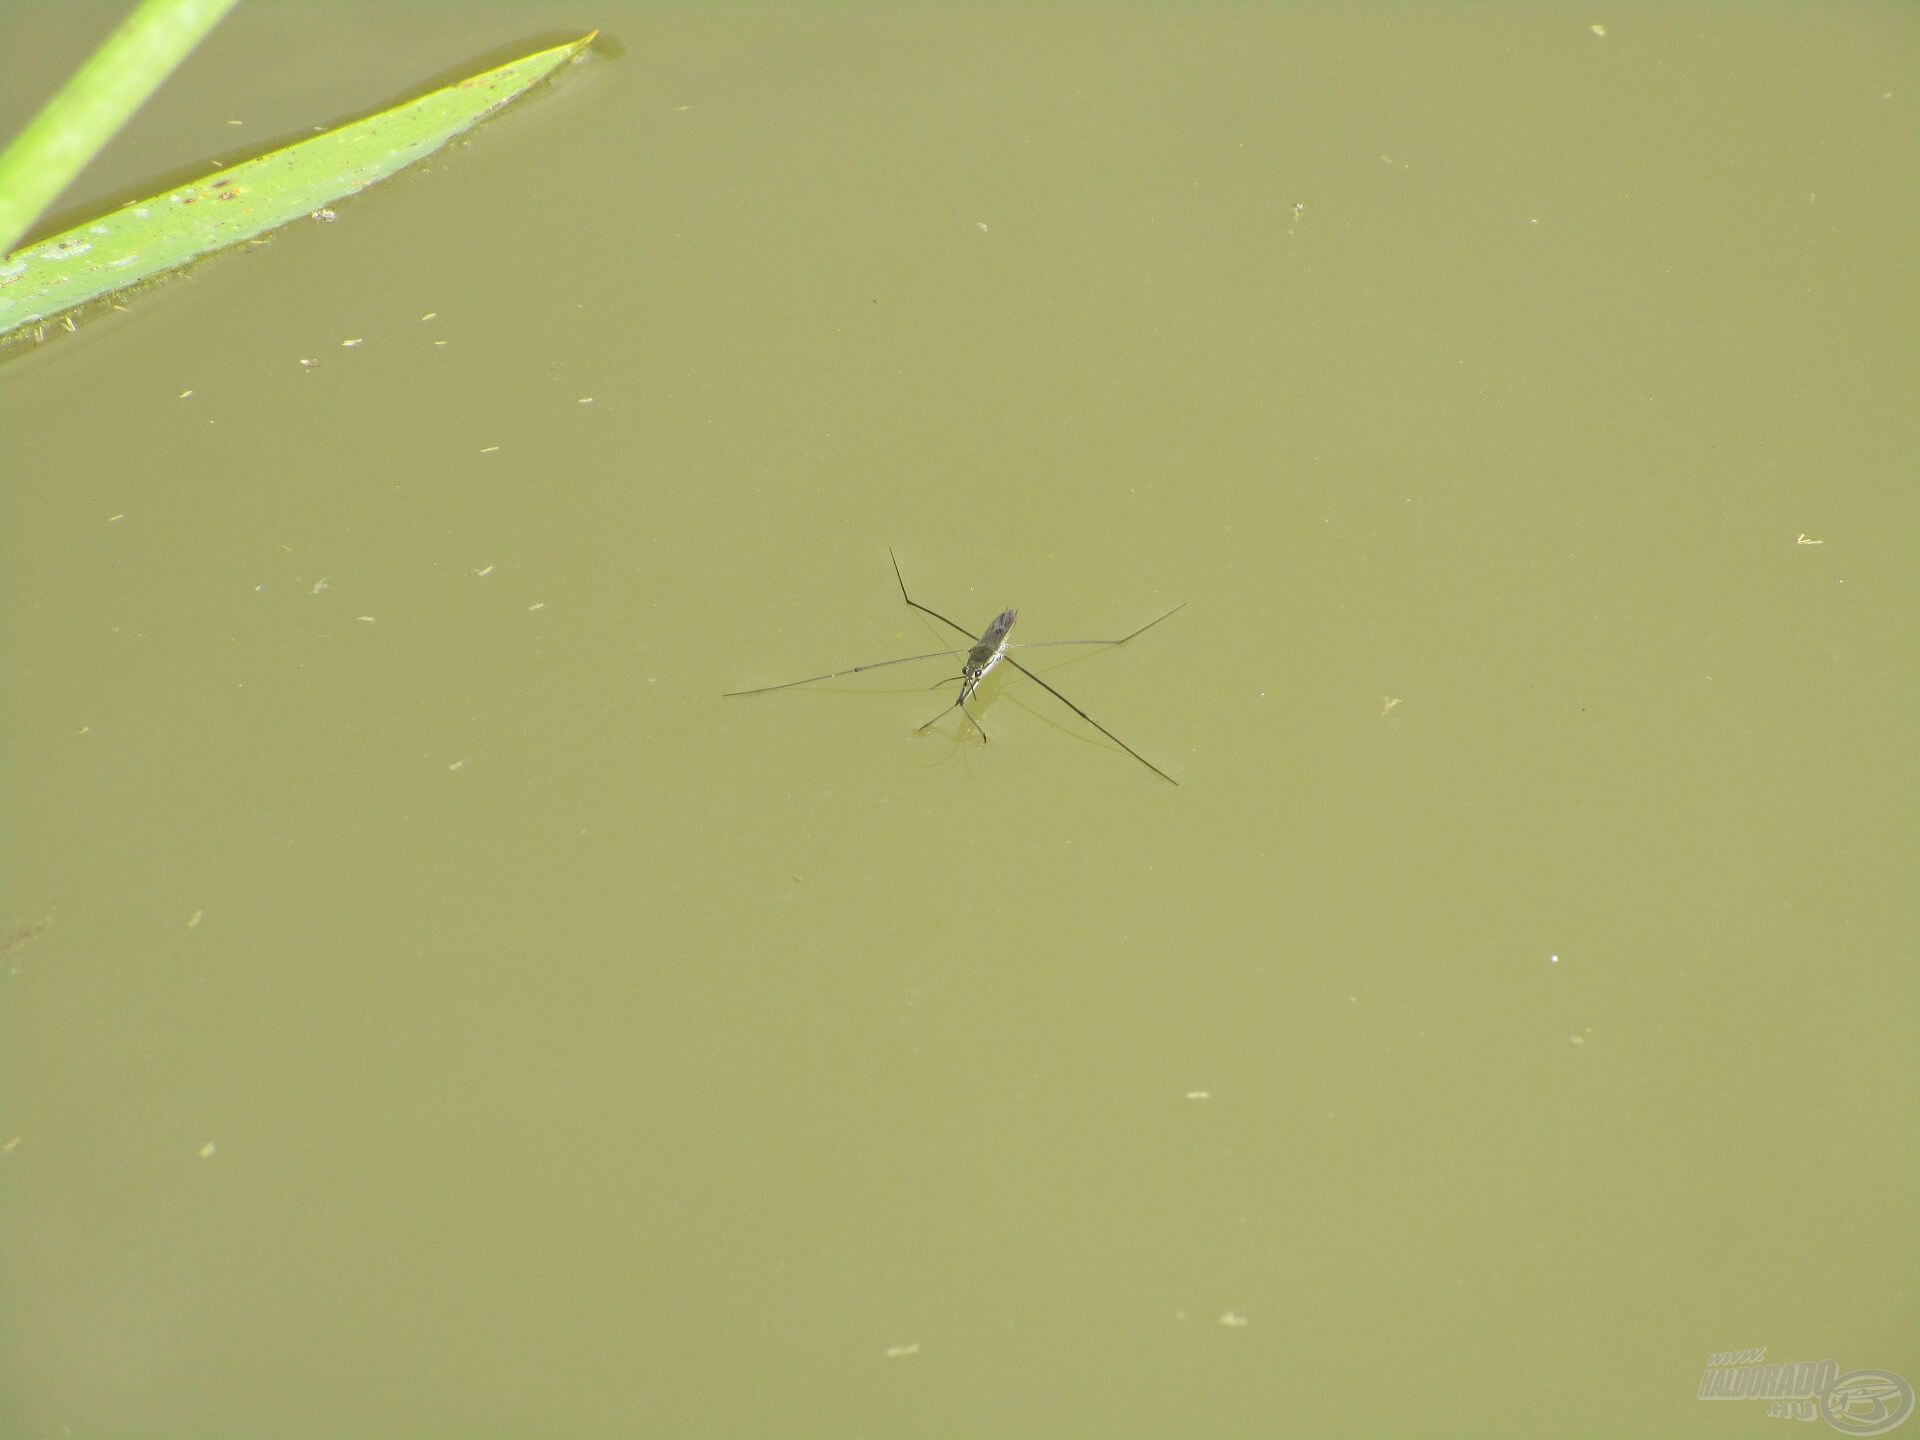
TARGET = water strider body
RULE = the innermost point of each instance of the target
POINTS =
(988, 650)
(991, 650)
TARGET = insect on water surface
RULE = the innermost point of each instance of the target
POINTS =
(989, 648)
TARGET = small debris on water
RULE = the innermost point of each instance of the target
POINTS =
(1387, 702)
(1233, 1320)
(308, 364)
(324, 216)
(900, 1352)
(185, 393)
(26, 933)
(209, 1150)
(430, 315)
(1804, 539)
(193, 920)
(325, 582)
(488, 449)
(116, 519)
(349, 344)
(586, 399)
(484, 570)
(457, 765)
(1599, 30)
(1199, 1094)
(537, 605)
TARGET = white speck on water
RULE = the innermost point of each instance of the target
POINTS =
(325, 582)
(185, 393)
(349, 344)
(586, 399)
(484, 570)
(193, 920)
(488, 449)
(457, 765)
(1233, 1320)
(364, 619)
(430, 315)
(900, 1352)
(983, 227)
(1199, 1094)
(1553, 959)
(439, 342)
(209, 1150)
(116, 519)
(537, 605)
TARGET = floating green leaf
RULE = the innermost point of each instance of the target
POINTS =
(152, 236)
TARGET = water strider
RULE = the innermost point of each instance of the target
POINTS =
(988, 650)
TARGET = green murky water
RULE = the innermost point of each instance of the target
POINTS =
(456, 1019)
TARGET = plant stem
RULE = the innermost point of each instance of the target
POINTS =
(76, 124)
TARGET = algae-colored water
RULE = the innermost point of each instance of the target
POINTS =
(456, 1019)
